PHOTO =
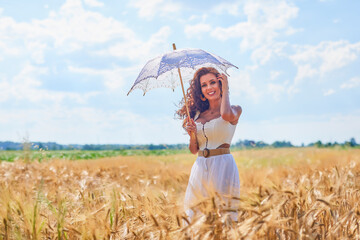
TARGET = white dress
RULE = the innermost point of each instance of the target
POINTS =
(216, 173)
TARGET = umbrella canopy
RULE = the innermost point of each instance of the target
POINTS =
(162, 71)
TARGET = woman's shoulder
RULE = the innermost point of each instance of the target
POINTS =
(237, 109)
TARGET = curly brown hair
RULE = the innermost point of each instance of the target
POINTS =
(194, 93)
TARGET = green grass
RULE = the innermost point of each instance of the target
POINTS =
(43, 155)
(40, 155)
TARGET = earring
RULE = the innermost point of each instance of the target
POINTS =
(221, 92)
(202, 97)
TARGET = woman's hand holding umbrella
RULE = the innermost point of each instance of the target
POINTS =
(190, 126)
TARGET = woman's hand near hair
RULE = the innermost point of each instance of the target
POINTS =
(228, 113)
(190, 127)
(224, 82)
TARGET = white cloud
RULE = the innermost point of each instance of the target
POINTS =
(304, 71)
(93, 3)
(4, 89)
(197, 17)
(264, 53)
(323, 58)
(6, 49)
(337, 55)
(290, 30)
(114, 78)
(240, 84)
(69, 29)
(232, 8)
(197, 30)
(329, 92)
(27, 86)
(37, 50)
(276, 90)
(150, 8)
(293, 89)
(265, 20)
(78, 25)
(274, 75)
(352, 83)
(24, 85)
(137, 49)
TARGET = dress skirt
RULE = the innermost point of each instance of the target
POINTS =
(216, 174)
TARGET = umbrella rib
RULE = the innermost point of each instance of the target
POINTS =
(130, 90)
(227, 65)
(158, 71)
(187, 57)
(147, 83)
(209, 54)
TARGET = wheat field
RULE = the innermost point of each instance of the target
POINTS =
(295, 193)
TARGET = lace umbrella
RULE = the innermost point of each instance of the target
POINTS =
(163, 71)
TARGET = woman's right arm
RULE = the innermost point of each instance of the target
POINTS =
(191, 130)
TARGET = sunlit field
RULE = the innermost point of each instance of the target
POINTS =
(295, 193)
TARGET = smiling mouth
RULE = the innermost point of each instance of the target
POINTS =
(211, 93)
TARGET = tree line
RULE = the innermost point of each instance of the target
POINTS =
(241, 144)
(280, 144)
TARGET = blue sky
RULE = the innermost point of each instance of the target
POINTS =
(66, 67)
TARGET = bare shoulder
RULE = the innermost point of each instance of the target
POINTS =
(237, 109)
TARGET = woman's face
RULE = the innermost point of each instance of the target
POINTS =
(210, 86)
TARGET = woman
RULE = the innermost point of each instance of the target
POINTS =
(211, 126)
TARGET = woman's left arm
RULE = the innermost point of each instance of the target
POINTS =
(228, 113)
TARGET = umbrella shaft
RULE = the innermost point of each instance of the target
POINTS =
(182, 87)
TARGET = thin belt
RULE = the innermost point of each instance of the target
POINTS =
(213, 152)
